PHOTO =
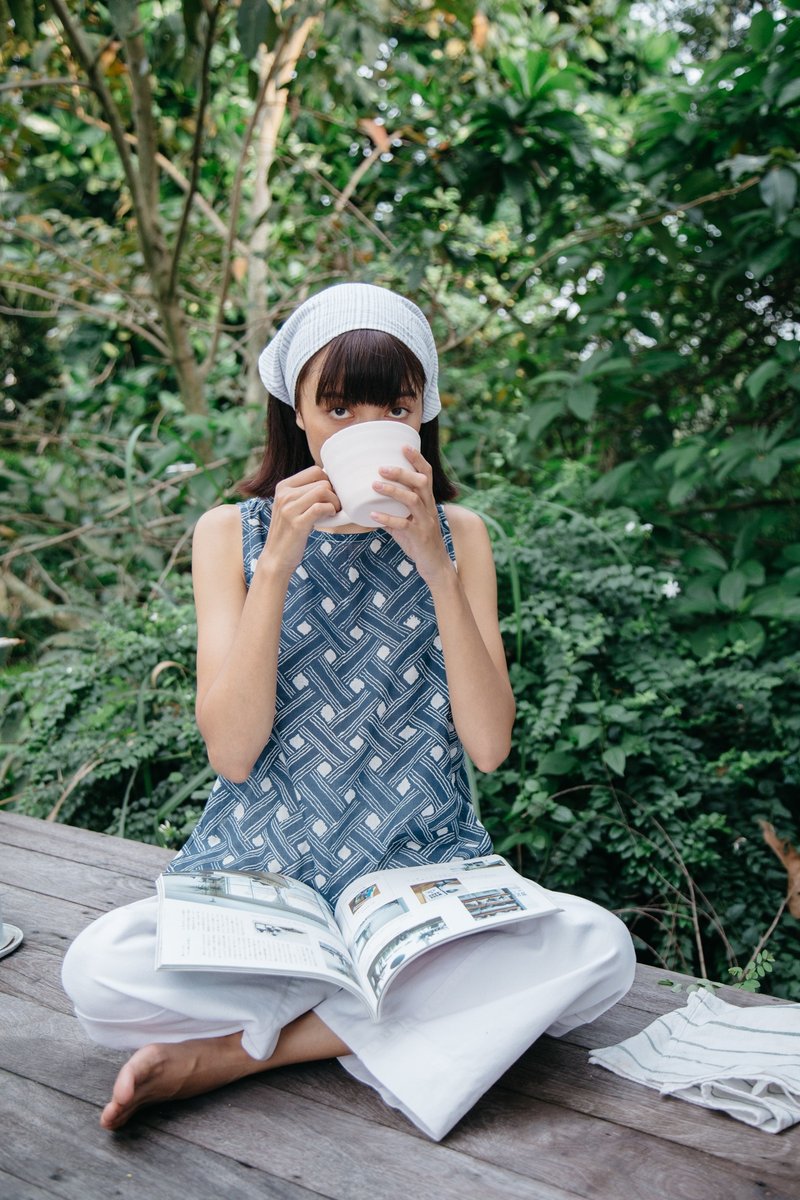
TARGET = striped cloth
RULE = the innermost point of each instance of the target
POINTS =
(741, 1061)
(340, 309)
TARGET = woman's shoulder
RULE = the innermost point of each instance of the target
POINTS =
(223, 519)
(470, 536)
(463, 520)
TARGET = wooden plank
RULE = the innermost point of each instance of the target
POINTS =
(599, 1158)
(52, 1145)
(304, 1141)
(99, 887)
(648, 992)
(517, 1134)
(49, 925)
(14, 1188)
(561, 1074)
(538, 1134)
(81, 845)
(551, 1079)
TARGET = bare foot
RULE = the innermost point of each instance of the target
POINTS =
(175, 1072)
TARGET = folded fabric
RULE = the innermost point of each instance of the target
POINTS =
(742, 1061)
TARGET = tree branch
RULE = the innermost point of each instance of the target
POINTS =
(18, 229)
(197, 145)
(177, 177)
(596, 233)
(83, 51)
(119, 318)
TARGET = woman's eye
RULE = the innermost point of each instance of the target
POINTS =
(339, 411)
(398, 411)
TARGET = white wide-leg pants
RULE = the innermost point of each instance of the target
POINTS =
(452, 1024)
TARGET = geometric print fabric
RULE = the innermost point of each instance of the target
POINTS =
(363, 769)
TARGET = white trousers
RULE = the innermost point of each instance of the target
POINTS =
(452, 1024)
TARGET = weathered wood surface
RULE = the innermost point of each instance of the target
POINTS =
(554, 1128)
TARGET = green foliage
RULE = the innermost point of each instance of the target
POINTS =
(101, 732)
(749, 978)
(640, 767)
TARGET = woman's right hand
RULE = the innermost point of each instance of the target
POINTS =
(300, 502)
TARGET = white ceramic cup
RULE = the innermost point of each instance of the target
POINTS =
(352, 459)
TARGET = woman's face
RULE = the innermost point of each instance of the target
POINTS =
(321, 421)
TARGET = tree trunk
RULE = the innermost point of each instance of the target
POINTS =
(275, 71)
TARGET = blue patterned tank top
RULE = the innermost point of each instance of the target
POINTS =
(363, 768)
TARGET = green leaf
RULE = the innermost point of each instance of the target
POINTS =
(124, 16)
(765, 467)
(614, 758)
(680, 491)
(789, 451)
(753, 572)
(23, 13)
(778, 190)
(611, 366)
(782, 608)
(557, 762)
(585, 734)
(707, 640)
(749, 632)
(256, 25)
(582, 400)
(607, 486)
(765, 371)
(698, 598)
(732, 588)
(745, 164)
(680, 458)
(542, 415)
(705, 556)
(761, 30)
(789, 93)
(554, 377)
(771, 257)
(536, 63)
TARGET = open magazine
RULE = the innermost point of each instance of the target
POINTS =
(384, 920)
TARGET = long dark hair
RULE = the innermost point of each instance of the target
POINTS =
(359, 367)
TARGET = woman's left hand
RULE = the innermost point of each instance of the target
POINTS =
(419, 534)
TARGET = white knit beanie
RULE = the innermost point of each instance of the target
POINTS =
(339, 309)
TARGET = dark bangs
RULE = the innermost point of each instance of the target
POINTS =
(366, 366)
(363, 366)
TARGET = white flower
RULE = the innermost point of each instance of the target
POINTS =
(671, 589)
(646, 528)
(630, 526)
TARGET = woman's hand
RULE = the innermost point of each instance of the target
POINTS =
(300, 502)
(419, 534)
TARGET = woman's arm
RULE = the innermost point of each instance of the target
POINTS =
(238, 630)
(465, 600)
(481, 699)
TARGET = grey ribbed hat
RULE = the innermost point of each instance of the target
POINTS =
(339, 309)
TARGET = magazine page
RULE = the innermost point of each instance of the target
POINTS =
(241, 921)
(388, 918)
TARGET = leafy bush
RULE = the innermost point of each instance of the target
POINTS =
(641, 767)
(101, 731)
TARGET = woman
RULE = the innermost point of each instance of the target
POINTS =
(342, 674)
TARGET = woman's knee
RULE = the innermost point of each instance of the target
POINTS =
(100, 959)
(607, 942)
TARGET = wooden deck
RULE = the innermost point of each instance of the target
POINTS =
(554, 1128)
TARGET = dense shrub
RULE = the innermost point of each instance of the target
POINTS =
(101, 731)
(640, 768)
